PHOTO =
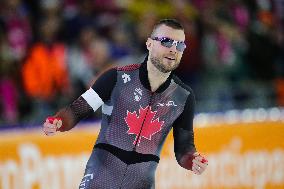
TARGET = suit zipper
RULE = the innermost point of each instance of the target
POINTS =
(134, 149)
(150, 103)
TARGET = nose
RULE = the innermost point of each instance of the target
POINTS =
(173, 49)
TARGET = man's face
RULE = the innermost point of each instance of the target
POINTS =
(163, 58)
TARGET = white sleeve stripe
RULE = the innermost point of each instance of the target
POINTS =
(92, 99)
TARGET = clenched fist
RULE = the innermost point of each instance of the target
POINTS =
(199, 164)
(51, 125)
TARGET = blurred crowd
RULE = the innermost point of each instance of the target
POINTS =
(51, 50)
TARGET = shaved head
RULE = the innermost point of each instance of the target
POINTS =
(172, 23)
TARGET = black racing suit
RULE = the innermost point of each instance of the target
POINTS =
(135, 123)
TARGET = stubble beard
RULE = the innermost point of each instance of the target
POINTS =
(157, 62)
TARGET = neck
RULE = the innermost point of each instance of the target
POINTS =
(155, 76)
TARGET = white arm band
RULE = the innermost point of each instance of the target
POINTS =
(92, 99)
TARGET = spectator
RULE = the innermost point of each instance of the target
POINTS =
(45, 74)
(80, 58)
(18, 28)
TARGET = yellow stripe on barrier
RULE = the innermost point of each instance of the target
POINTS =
(241, 156)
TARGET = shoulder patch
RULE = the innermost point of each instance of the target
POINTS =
(130, 67)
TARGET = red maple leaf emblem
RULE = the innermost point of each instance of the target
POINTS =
(143, 125)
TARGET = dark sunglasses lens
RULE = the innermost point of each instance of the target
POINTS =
(167, 42)
(181, 46)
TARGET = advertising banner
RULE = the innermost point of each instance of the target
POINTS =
(241, 156)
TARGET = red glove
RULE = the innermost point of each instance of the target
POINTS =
(51, 125)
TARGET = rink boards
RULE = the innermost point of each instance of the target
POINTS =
(241, 156)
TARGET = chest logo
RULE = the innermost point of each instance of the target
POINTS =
(143, 124)
(169, 103)
(126, 78)
(138, 94)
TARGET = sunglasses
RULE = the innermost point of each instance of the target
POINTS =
(167, 42)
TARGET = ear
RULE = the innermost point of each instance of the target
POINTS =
(148, 43)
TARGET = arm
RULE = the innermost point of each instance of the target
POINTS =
(183, 133)
(184, 146)
(83, 106)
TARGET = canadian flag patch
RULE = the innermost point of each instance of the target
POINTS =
(143, 124)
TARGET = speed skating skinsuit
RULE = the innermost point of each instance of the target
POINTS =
(135, 123)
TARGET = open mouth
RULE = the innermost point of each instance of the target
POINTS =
(170, 58)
